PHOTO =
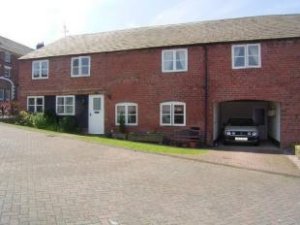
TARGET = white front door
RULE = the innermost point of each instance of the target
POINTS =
(96, 114)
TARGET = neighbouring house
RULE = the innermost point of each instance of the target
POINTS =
(165, 78)
(10, 51)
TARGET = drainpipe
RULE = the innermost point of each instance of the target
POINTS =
(205, 94)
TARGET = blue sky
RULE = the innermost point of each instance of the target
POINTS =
(33, 21)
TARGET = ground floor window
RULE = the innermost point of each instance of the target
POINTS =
(172, 114)
(35, 104)
(65, 105)
(128, 112)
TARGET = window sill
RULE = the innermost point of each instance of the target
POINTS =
(77, 76)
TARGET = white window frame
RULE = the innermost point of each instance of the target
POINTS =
(3, 97)
(7, 57)
(64, 113)
(246, 48)
(40, 77)
(35, 103)
(172, 122)
(7, 68)
(126, 104)
(174, 60)
(80, 66)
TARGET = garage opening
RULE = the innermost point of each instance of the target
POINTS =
(265, 114)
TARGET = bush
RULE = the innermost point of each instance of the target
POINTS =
(24, 118)
(68, 124)
(39, 121)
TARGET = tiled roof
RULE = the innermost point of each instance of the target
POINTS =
(14, 47)
(228, 30)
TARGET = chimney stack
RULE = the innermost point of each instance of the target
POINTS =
(40, 45)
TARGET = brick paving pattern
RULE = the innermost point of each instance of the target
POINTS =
(52, 179)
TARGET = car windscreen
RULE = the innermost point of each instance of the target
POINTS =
(240, 122)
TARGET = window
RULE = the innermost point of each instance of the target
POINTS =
(246, 56)
(129, 113)
(172, 114)
(65, 105)
(35, 104)
(1, 94)
(40, 69)
(7, 94)
(7, 70)
(7, 57)
(174, 60)
(80, 66)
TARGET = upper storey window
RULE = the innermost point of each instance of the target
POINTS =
(40, 69)
(246, 56)
(80, 66)
(7, 57)
(174, 60)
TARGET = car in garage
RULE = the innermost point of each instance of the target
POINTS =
(241, 130)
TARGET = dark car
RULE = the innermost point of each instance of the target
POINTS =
(241, 130)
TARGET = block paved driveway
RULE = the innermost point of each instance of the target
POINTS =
(46, 179)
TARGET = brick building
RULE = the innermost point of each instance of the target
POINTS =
(10, 51)
(165, 78)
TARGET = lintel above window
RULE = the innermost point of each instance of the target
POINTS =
(174, 60)
(246, 56)
(80, 66)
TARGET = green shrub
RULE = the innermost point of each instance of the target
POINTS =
(39, 121)
(24, 118)
(122, 126)
(68, 124)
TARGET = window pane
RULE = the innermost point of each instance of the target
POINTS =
(39, 101)
(44, 65)
(178, 109)
(75, 62)
(30, 101)
(96, 103)
(60, 109)
(75, 71)
(7, 94)
(1, 94)
(239, 62)
(69, 100)
(168, 65)
(180, 65)
(69, 109)
(253, 50)
(168, 56)
(166, 119)
(253, 61)
(131, 119)
(166, 109)
(85, 61)
(60, 100)
(84, 70)
(239, 51)
(178, 119)
(120, 109)
(39, 109)
(31, 109)
(131, 109)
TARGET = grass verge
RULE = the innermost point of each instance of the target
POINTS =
(143, 147)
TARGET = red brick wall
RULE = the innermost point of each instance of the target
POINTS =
(277, 80)
(133, 76)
